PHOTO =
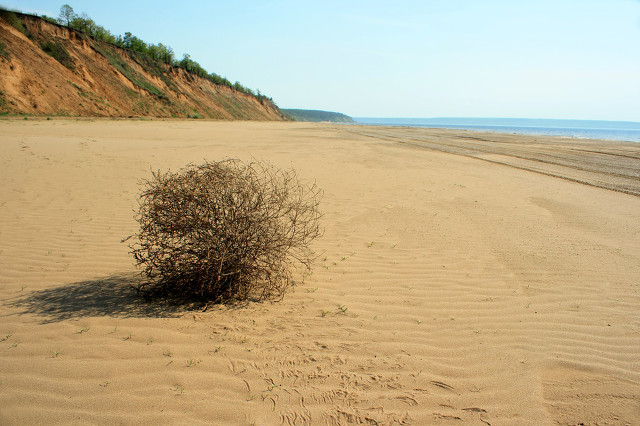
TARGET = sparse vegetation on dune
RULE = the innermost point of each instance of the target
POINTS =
(59, 53)
(12, 19)
(3, 51)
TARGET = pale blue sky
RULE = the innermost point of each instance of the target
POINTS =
(577, 59)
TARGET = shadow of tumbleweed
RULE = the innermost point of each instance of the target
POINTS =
(114, 296)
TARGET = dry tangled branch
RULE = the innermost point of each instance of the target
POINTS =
(224, 231)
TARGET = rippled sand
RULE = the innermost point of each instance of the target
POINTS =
(463, 278)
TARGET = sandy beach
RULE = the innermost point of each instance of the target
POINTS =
(462, 278)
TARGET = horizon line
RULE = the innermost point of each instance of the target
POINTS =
(493, 118)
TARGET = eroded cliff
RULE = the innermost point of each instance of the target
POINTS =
(49, 69)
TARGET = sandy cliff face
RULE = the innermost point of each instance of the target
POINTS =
(80, 76)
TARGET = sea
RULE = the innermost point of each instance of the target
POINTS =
(589, 129)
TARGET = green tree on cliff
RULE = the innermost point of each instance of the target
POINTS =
(66, 15)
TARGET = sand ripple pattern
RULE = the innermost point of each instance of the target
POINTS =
(447, 290)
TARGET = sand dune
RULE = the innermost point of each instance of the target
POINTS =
(455, 284)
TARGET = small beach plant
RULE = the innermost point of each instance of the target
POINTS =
(224, 231)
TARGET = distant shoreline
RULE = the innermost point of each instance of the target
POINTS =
(612, 134)
(582, 129)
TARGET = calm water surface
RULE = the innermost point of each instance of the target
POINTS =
(590, 129)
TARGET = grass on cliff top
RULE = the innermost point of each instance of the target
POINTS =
(119, 64)
(12, 19)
